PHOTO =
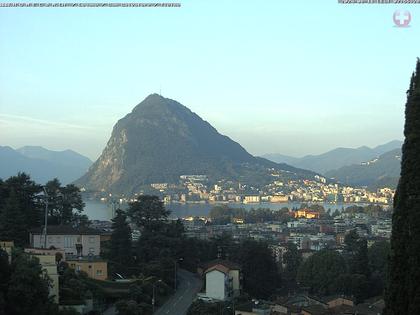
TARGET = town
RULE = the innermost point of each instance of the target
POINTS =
(198, 189)
(240, 261)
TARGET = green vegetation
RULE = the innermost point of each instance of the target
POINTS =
(260, 273)
(320, 272)
(225, 215)
(329, 272)
(120, 251)
(23, 287)
(202, 308)
(292, 259)
(65, 204)
(404, 292)
(22, 207)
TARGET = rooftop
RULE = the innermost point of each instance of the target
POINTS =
(65, 230)
(226, 263)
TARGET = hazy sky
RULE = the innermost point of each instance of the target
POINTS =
(292, 77)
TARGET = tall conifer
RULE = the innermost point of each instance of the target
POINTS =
(403, 295)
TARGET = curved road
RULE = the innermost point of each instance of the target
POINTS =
(189, 285)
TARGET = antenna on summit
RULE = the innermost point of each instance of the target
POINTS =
(160, 90)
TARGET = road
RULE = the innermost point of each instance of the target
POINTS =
(110, 311)
(178, 304)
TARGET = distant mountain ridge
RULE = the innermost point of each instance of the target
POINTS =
(336, 158)
(383, 171)
(42, 164)
(162, 139)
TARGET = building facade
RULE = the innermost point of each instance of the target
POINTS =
(78, 242)
(222, 280)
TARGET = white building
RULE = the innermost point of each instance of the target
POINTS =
(80, 241)
(252, 199)
(222, 280)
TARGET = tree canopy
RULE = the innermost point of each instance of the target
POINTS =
(148, 212)
(404, 292)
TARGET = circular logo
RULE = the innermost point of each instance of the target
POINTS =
(402, 18)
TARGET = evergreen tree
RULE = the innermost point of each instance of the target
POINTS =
(120, 246)
(64, 203)
(148, 212)
(13, 226)
(4, 279)
(292, 260)
(26, 192)
(357, 254)
(259, 269)
(320, 273)
(27, 291)
(378, 264)
(19, 208)
(403, 296)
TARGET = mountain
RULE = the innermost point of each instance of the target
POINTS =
(281, 158)
(383, 171)
(336, 158)
(43, 164)
(161, 140)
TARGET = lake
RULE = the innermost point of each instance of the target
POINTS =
(97, 210)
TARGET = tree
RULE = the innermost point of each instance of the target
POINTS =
(129, 307)
(356, 285)
(148, 212)
(258, 267)
(357, 254)
(12, 221)
(378, 263)
(203, 308)
(320, 272)
(26, 191)
(4, 279)
(65, 203)
(120, 245)
(27, 291)
(403, 295)
(19, 208)
(292, 260)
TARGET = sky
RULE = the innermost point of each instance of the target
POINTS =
(291, 77)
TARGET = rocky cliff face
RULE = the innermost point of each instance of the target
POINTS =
(161, 140)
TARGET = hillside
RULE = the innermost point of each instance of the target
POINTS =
(42, 164)
(336, 158)
(383, 171)
(161, 140)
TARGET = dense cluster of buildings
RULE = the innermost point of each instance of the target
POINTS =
(302, 304)
(197, 188)
(306, 229)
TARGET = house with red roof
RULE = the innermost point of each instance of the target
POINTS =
(222, 280)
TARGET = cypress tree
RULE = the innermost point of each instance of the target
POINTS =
(403, 294)
(120, 249)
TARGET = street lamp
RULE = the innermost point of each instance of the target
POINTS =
(153, 296)
(46, 217)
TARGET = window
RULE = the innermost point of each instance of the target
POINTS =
(68, 241)
(90, 267)
(91, 239)
(91, 250)
(99, 272)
